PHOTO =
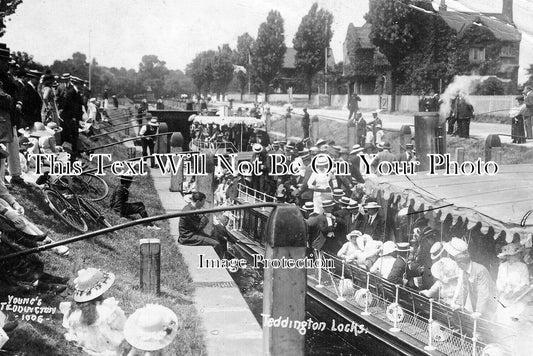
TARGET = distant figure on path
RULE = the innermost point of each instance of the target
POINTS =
(528, 99)
(353, 105)
(306, 122)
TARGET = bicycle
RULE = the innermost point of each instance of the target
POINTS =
(88, 185)
(72, 209)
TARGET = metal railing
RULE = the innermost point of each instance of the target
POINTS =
(253, 196)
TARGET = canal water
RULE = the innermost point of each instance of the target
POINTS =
(318, 343)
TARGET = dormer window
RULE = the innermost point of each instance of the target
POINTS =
(477, 54)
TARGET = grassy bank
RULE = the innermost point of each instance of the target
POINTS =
(118, 253)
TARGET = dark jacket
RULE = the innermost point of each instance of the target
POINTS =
(191, 225)
(32, 105)
(317, 230)
(119, 198)
(376, 229)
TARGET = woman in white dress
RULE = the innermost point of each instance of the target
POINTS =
(321, 181)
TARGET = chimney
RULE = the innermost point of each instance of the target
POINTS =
(507, 10)
(443, 6)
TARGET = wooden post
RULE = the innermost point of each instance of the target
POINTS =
(284, 288)
(493, 148)
(162, 141)
(460, 155)
(404, 131)
(176, 146)
(314, 128)
(132, 152)
(150, 273)
(206, 185)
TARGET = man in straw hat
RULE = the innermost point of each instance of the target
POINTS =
(150, 128)
(70, 105)
(371, 222)
(477, 291)
(150, 329)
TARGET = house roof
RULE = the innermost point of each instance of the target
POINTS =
(461, 21)
(289, 60)
(363, 35)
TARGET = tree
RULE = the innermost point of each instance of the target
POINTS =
(269, 49)
(242, 58)
(152, 72)
(25, 61)
(393, 31)
(201, 71)
(7, 7)
(222, 69)
(76, 66)
(311, 42)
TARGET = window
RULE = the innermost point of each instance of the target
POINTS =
(507, 51)
(477, 54)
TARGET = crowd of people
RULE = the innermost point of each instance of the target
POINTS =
(337, 208)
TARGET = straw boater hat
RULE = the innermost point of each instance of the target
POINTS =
(388, 248)
(337, 193)
(386, 146)
(354, 233)
(151, 328)
(511, 250)
(153, 122)
(403, 247)
(320, 142)
(352, 205)
(39, 130)
(53, 126)
(356, 149)
(436, 250)
(321, 160)
(345, 200)
(372, 205)
(328, 203)
(92, 283)
(308, 206)
(456, 246)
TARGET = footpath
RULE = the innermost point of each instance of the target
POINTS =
(229, 326)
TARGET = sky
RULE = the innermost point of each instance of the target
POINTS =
(119, 32)
(122, 31)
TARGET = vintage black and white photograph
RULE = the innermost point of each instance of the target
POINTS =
(285, 178)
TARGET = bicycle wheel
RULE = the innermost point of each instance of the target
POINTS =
(64, 210)
(90, 186)
(93, 212)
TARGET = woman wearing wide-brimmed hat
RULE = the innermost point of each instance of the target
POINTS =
(150, 128)
(321, 181)
(446, 273)
(512, 283)
(150, 329)
(94, 323)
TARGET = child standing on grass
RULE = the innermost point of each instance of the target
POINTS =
(119, 202)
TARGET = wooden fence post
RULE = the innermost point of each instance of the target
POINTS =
(284, 288)
(176, 146)
(162, 145)
(206, 185)
(315, 128)
(150, 272)
(404, 131)
(460, 155)
(493, 149)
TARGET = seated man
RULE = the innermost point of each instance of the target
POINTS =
(119, 202)
(191, 226)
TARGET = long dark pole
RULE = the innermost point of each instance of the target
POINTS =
(134, 223)
(117, 130)
(126, 140)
